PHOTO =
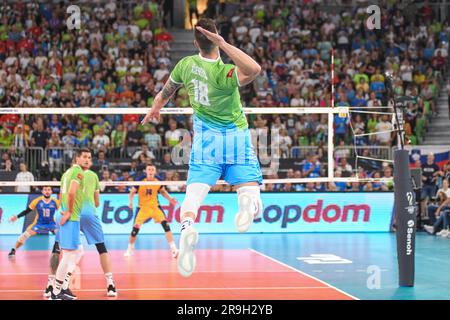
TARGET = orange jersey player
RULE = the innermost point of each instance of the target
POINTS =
(149, 208)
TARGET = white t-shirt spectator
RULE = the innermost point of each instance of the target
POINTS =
(447, 192)
(11, 61)
(82, 52)
(254, 33)
(24, 177)
(160, 74)
(443, 52)
(100, 141)
(111, 6)
(383, 126)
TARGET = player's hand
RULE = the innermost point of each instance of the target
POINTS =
(173, 201)
(130, 206)
(215, 38)
(65, 217)
(13, 219)
(153, 114)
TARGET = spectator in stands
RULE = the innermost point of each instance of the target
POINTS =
(134, 139)
(24, 176)
(118, 140)
(153, 139)
(430, 172)
(8, 166)
(384, 131)
(345, 167)
(101, 162)
(55, 153)
(387, 174)
(144, 151)
(311, 169)
(440, 211)
(101, 141)
(173, 135)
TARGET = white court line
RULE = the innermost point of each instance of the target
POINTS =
(178, 289)
(303, 273)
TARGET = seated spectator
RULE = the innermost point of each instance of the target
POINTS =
(24, 176)
(311, 169)
(145, 151)
(118, 140)
(153, 139)
(101, 142)
(106, 177)
(344, 166)
(55, 153)
(134, 139)
(8, 166)
(440, 211)
(384, 137)
(173, 135)
(101, 162)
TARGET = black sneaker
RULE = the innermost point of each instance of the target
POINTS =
(12, 253)
(48, 291)
(111, 291)
(69, 294)
(59, 296)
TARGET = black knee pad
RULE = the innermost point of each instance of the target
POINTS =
(101, 248)
(165, 226)
(56, 249)
(134, 232)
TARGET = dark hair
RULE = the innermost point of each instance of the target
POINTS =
(81, 151)
(204, 44)
(150, 165)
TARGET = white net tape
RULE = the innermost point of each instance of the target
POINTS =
(356, 135)
(342, 111)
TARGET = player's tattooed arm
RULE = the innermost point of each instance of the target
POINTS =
(160, 101)
(169, 89)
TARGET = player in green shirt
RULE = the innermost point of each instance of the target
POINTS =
(72, 200)
(92, 229)
(222, 143)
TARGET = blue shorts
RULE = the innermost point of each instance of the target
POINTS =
(233, 174)
(43, 227)
(92, 228)
(222, 152)
(69, 235)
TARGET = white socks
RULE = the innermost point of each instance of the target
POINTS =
(187, 222)
(65, 269)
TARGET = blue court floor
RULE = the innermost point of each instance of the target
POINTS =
(363, 265)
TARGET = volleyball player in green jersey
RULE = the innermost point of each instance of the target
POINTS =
(72, 199)
(92, 229)
(222, 142)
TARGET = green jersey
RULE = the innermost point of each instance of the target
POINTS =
(91, 185)
(75, 173)
(213, 89)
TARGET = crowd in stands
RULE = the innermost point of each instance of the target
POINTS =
(121, 58)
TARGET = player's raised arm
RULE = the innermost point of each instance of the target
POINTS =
(161, 100)
(248, 68)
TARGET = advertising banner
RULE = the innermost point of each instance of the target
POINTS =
(283, 212)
